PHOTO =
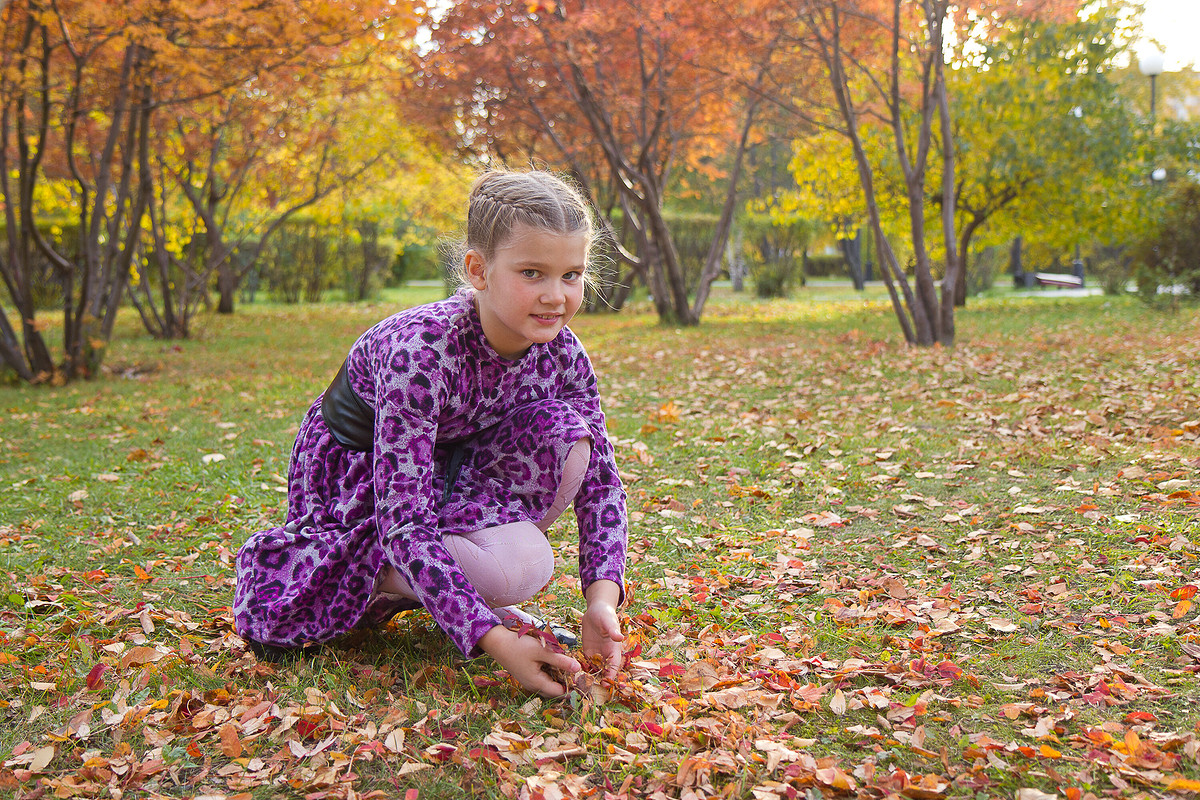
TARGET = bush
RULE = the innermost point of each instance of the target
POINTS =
(1167, 260)
(44, 283)
(826, 266)
(1110, 266)
(983, 268)
(692, 234)
(775, 253)
(416, 262)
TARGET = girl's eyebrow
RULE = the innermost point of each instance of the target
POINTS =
(544, 264)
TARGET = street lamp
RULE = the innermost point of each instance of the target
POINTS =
(1150, 63)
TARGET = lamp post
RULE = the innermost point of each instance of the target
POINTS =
(1151, 63)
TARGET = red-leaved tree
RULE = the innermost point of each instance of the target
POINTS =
(624, 94)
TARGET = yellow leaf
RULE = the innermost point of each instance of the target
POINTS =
(668, 413)
(1183, 784)
(1049, 752)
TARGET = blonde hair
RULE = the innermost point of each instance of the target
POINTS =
(500, 201)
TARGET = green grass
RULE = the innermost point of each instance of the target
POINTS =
(892, 563)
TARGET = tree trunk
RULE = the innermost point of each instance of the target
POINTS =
(852, 253)
(227, 285)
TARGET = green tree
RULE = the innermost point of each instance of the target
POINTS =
(1048, 146)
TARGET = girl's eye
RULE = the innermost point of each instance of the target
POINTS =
(571, 277)
(529, 273)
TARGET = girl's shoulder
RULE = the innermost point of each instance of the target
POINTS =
(421, 327)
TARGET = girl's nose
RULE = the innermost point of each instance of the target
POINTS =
(554, 294)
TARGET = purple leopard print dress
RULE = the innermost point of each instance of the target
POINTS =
(435, 384)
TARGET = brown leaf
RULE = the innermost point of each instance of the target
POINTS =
(230, 742)
(136, 656)
(837, 703)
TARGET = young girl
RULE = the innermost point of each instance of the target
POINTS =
(452, 437)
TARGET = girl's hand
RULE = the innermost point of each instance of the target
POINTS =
(601, 628)
(523, 658)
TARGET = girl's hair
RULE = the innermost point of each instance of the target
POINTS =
(502, 200)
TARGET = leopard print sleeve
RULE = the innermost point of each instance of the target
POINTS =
(411, 379)
(600, 504)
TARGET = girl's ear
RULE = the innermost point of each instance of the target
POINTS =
(476, 270)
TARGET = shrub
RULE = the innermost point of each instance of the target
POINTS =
(826, 266)
(1110, 265)
(1167, 259)
(774, 251)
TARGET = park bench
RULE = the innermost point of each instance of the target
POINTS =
(1059, 279)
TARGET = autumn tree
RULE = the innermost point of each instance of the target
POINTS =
(1040, 132)
(87, 90)
(1048, 146)
(233, 168)
(621, 93)
(235, 163)
(885, 64)
(75, 107)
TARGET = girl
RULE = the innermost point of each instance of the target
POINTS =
(452, 437)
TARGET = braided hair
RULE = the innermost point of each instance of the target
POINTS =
(502, 200)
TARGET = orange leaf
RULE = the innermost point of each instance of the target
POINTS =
(1185, 592)
(1049, 752)
(141, 573)
(231, 744)
(1182, 608)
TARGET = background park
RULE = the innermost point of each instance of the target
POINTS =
(908, 518)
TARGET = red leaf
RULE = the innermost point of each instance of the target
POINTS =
(95, 678)
(670, 669)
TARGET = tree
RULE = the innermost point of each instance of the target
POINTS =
(623, 92)
(1047, 146)
(245, 158)
(84, 95)
(75, 106)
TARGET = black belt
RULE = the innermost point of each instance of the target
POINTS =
(352, 423)
(348, 417)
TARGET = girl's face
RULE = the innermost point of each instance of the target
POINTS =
(529, 289)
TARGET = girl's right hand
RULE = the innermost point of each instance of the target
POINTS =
(523, 658)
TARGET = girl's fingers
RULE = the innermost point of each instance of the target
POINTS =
(546, 686)
(562, 661)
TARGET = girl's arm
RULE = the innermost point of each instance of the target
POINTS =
(603, 523)
(600, 503)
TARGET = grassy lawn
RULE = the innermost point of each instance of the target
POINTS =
(854, 568)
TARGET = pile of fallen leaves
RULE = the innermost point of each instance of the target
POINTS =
(855, 570)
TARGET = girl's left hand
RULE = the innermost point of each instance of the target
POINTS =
(601, 628)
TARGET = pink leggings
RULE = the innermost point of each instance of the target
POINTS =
(507, 564)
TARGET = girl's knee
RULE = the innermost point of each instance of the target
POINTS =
(508, 564)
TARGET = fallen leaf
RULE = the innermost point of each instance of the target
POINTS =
(41, 758)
